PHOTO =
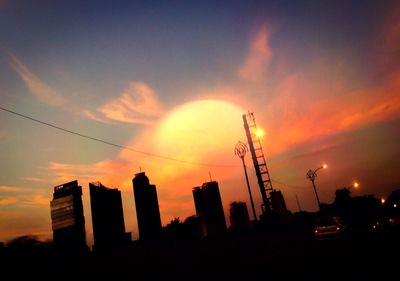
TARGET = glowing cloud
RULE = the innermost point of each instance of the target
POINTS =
(62, 172)
(203, 131)
(27, 197)
(298, 112)
(38, 88)
(257, 59)
(137, 104)
(13, 189)
(8, 201)
(93, 116)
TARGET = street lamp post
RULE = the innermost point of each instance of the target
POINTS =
(312, 175)
(240, 151)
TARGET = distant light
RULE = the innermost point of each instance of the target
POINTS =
(325, 166)
(383, 200)
(260, 133)
(356, 184)
(394, 205)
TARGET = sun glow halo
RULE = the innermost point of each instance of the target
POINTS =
(200, 130)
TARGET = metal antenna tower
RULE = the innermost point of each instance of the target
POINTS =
(260, 165)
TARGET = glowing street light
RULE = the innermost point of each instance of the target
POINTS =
(355, 185)
(312, 175)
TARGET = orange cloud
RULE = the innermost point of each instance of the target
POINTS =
(38, 88)
(300, 109)
(257, 59)
(61, 172)
(137, 104)
(8, 200)
(93, 116)
(7, 188)
(35, 179)
(45, 93)
(22, 197)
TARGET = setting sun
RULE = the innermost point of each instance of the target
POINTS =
(199, 132)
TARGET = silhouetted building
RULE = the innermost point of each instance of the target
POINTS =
(107, 216)
(193, 227)
(208, 204)
(147, 210)
(68, 221)
(239, 216)
(278, 203)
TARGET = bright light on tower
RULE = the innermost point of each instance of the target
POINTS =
(260, 133)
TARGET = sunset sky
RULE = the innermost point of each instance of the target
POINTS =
(173, 78)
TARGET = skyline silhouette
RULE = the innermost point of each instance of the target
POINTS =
(101, 92)
(364, 244)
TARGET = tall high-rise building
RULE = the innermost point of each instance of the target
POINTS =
(107, 216)
(68, 221)
(147, 210)
(208, 204)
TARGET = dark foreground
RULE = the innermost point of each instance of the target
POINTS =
(286, 254)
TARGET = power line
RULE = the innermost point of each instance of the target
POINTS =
(113, 144)
(130, 148)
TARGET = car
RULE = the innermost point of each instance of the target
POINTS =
(329, 227)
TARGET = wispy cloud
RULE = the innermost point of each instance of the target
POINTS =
(34, 179)
(46, 94)
(37, 87)
(8, 200)
(298, 112)
(258, 57)
(61, 172)
(137, 104)
(11, 189)
(20, 196)
(93, 116)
